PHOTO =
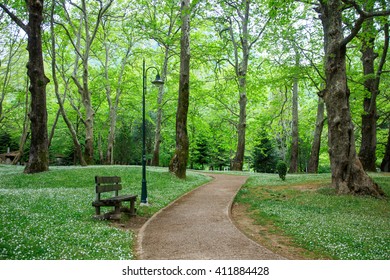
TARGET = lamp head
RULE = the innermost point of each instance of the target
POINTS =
(158, 81)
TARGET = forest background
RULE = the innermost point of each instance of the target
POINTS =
(93, 52)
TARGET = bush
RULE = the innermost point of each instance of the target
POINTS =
(281, 166)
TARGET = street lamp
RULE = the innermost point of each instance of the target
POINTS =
(157, 82)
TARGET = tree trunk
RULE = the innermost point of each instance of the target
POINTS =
(39, 153)
(113, 104)
(295, 132)
(161, 91)
(53, 128)
(89, 116)
(178, 164)
(89, 35)
(385, 165)
(111, 135)
(73, 133)
(100, 149)
(367, 153)
(348, 175)
(315, 148)
(241, 69)
(11, 52)
(238, 160)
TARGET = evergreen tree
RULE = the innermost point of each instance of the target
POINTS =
(264, 157)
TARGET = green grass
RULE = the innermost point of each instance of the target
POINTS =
(342, 227)
(49, 215)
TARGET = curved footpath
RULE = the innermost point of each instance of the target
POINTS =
(197, 226)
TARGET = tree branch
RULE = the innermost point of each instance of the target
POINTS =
(259, 34)
(17, 20)
(70, 39)
(385, 50)
(363, 15)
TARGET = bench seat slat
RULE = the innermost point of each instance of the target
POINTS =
(123, 197)
(116, 200)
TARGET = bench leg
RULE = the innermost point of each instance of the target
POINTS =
(132, 207)
(117, 212)
(97, 210)
(130, 211)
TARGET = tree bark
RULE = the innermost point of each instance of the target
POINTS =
(178, 164)
(238, 161)
(39, 153)
(348, 175)
(315, 148)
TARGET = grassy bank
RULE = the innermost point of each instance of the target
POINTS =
(306, 208)
(49, 215)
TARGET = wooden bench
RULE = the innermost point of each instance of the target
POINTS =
(112, 184)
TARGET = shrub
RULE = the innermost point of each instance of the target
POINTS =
(281, 167)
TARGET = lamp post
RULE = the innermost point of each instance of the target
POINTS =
(157, 82)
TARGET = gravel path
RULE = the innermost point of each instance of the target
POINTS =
(197, 226)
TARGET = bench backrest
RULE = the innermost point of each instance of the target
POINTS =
(107, 184)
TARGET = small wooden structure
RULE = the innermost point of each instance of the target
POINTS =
(112, 184)
(8, 157)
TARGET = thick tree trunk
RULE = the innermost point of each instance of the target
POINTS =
(295, 134)
(238, 160)
(348, 175)
(385, 165)
(315, 148)
(241, 68)
(161, 91)
(178, 164)
(39, 154)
